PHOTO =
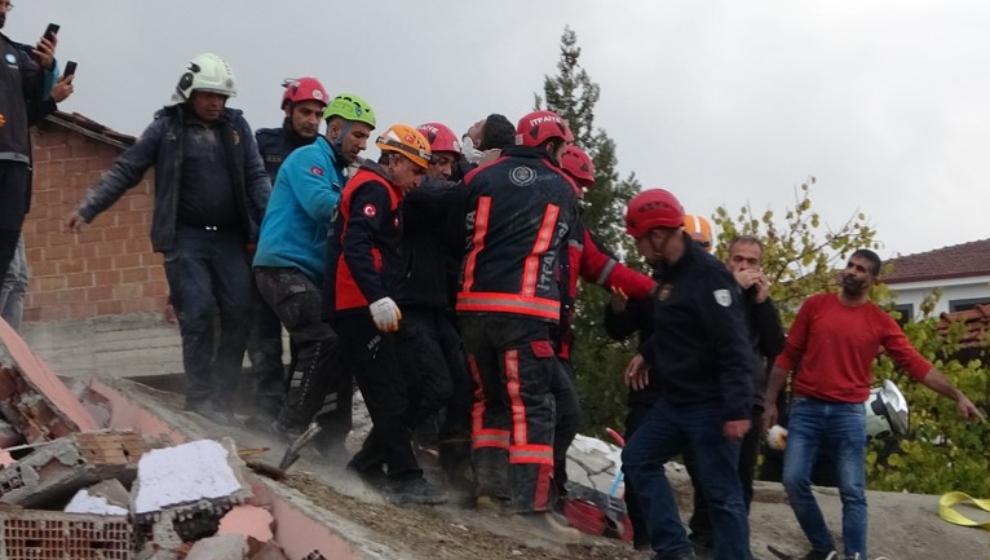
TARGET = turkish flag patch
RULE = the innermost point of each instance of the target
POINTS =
(370, 210)
(317, 170)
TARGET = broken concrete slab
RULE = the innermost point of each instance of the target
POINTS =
(36, 375)
(49, 534)
(188, 473)
(250, 521)
(9, 436)
(55, 470)
(105, 498)
(220, 547)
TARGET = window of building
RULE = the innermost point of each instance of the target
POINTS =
(966, 304)
(907, 313)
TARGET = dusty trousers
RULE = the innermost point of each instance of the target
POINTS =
(370, 357)
(319, 389)
(513, 365)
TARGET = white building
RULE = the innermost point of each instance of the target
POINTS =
(962, 272)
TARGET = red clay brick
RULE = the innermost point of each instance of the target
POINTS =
(70, 266)
(99, 294)
(79, 280)
(134, 275)
(52, 283)
(137, 245)
(107, 277)
(55, 253)
(158, 288)
(73, 295)
(117, 232)
(110, 248)
(127, 261)
(99, 263)
(109, 307)
(127, 291)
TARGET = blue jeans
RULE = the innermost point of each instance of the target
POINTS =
(207, 270)
(666, 431)
(841, 429)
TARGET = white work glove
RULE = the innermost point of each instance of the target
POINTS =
(386, 315)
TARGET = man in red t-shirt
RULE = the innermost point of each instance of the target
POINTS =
(832, 344)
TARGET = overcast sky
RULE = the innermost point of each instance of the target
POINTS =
(886, 103)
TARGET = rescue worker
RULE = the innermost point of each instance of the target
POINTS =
(211, 190)
(521, 214)
(428, 344)
(832, 344)
(700, 356)
(303, 102)
(26, 78)
(586, 261)
(766, 335)
(364, 264)
(290, 267)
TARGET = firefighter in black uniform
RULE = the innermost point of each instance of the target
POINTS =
(364, 260)
(303, 102)
(701, 357)
(521, 212)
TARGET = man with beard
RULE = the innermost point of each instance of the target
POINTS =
(303, 102)
(831, 345)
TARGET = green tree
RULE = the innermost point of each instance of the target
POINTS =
(597, 360)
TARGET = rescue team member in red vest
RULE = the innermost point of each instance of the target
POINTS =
(831, 345)
(364, 262)
(585, 261)
(521, 214)
(700, 356)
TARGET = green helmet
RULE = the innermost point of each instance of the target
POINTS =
(350, 108)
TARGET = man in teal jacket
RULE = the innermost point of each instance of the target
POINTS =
(291, 259)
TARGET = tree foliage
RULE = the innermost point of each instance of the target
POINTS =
(597, 360)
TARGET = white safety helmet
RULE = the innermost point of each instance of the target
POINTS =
(205, 72)
(886, 411)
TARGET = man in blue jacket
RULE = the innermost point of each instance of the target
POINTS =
(210, 194)
(290, 264)
(303, 103)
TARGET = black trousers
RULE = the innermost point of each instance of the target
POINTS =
(319, 388)
(700, 523)
(15, 190)
(514, 413)
(370, 357)
(265, 352)
(208, 270)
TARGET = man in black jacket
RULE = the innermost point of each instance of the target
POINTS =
(700, 355)
(211, 190)
(766, 335)
(26, 78)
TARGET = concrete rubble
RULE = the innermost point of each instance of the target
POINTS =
(113, 494)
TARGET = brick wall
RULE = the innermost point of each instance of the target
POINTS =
(107, 269)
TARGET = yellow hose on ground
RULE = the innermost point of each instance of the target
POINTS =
(945, 511)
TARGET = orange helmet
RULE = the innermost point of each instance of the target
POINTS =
(700, 229)
(406, 140)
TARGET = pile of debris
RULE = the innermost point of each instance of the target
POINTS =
(71, 488)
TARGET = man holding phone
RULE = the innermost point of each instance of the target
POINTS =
(27, 76)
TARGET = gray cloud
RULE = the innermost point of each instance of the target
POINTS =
(722, 102)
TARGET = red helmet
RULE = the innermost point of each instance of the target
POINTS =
(304, 89)
(576, 163)
(540, 126)
(441, 137)
(651, 209)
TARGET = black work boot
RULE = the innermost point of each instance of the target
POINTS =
(416, 490)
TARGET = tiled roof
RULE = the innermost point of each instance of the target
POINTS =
(86, 127)
(956, 261)
(975, 321)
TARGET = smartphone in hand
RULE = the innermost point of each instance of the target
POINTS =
(51, 31)
(70, 69)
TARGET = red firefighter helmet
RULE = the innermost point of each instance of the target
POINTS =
(441, 137)
(651, 209)
(540, 126)
(576, 163)
(304, 89)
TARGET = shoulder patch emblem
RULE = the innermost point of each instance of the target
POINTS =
(11, 59)
(522, 176)
(317, 170)
(370, 210)
(723, 297)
